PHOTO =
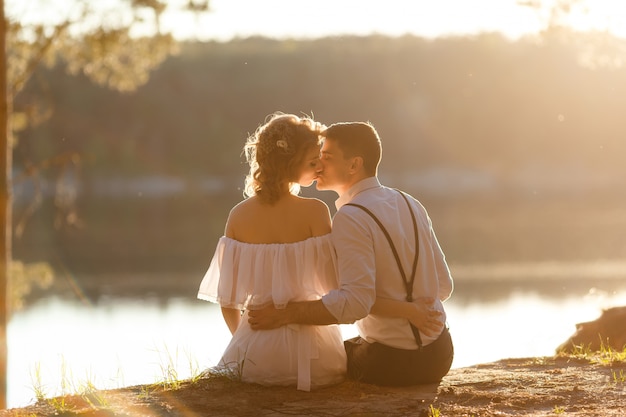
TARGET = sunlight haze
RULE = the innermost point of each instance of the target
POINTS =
(230, 19)
(126, 134)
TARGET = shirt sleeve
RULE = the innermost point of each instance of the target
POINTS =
(444, 276)
(356, 264)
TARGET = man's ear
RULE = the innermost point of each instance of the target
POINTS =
(356, 165)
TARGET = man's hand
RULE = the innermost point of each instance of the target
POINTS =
(425, 317)
(267, 318)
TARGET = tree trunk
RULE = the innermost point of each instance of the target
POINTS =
(5, 209)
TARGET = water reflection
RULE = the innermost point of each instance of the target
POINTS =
(65, 345)
(57, 343)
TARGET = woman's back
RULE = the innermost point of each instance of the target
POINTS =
(291, 219)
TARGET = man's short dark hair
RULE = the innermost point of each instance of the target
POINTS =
(357, 139)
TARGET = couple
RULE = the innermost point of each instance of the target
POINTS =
(284, 280)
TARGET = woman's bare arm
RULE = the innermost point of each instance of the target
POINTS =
(232, 317)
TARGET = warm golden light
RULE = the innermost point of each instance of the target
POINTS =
(285, 18)
(502, 120)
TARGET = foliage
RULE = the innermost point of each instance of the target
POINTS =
(511, 124)
(100, 44)
(605, 356)
(475, 119)
(23, 277)
(480, 104)
(103, 49)
(433, 412)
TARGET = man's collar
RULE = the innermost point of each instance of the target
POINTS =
(365, 184)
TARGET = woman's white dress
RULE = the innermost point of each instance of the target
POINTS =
(247, 276)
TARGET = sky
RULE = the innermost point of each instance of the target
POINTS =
(284, 18)
(309, 19)
(428, 18)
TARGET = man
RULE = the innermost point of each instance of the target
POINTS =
(374, 233)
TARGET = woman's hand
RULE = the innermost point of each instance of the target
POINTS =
(422, 314)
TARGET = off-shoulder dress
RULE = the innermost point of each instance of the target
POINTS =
(246, 276)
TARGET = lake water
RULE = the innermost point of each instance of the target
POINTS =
(61, 346)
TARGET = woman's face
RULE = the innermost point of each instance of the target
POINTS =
(310, 166)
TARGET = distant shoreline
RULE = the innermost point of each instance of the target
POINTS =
(551, 279)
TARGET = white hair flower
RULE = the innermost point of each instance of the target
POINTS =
(281, 143)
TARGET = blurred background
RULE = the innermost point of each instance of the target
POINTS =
(505, 119)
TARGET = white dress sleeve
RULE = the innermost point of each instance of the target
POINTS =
(247, 276)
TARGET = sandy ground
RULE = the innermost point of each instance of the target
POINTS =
(549, 386)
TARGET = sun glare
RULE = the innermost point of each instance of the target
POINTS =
(228, 19)
(285, 18)
(281, 18)
(601, 15)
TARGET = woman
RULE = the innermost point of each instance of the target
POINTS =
(277, 249)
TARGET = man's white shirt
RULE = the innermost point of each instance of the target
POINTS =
(367, 267)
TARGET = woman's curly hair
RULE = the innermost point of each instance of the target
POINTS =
(274, 153)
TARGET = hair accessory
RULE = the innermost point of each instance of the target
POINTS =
(281, 143)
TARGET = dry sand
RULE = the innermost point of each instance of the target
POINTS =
(547, 386)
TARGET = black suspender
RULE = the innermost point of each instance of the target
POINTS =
(408, 283)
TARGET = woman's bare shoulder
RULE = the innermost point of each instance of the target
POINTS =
(239, 214)
(318, 214)
(244, 206)
(313, 204)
